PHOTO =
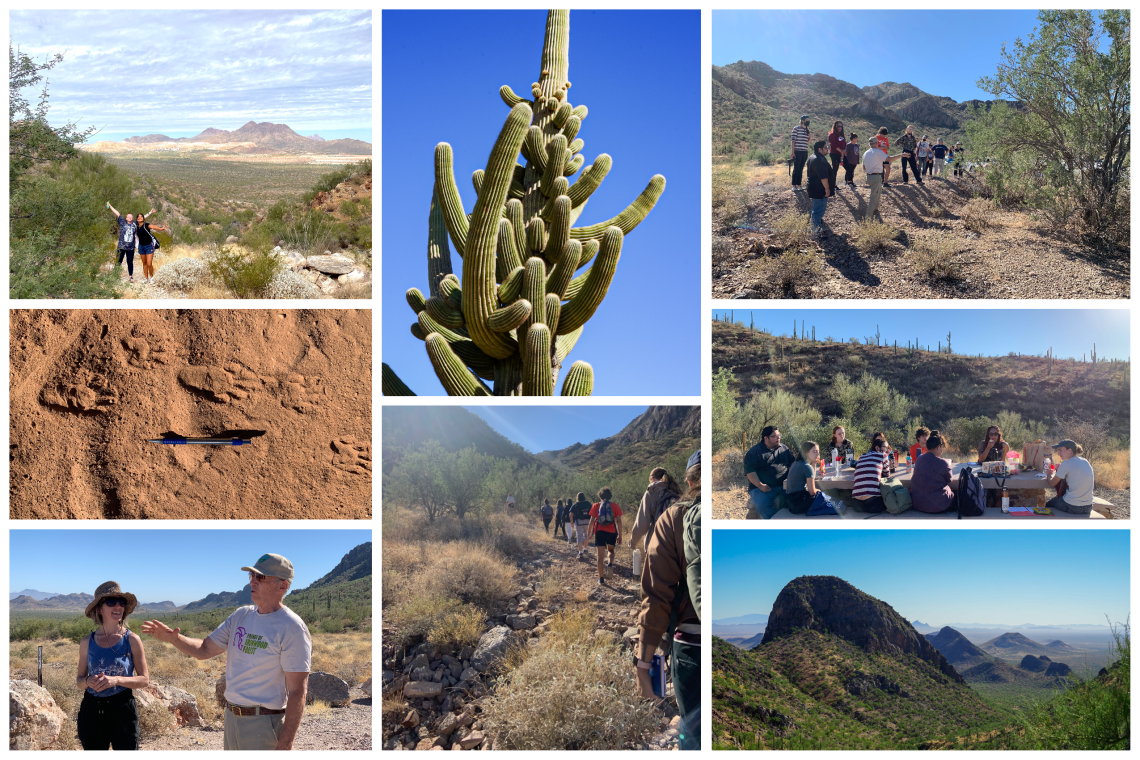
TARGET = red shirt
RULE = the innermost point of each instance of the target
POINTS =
(915, 451)
(838, 142)
(617, 516)
(884, 143)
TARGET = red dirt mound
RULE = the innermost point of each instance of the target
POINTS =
(89, 387)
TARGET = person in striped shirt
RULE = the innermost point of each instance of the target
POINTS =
(800, 137)
(868, 472)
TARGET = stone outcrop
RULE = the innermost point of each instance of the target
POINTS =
(422, 689)
(1058, 670)
(1035, 664)
(957, 649)
(182, 704)
(366, 687)
(34, 719)
(492, 647)
(327, 688)
(328, 272)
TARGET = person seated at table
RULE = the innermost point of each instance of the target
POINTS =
(766, 467)
(930, 490)
(1076, 471)
(840, 443)
(801, 479)
(920, 447)
(994, 448)
(866, 497)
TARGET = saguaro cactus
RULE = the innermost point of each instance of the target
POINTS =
(521, 307)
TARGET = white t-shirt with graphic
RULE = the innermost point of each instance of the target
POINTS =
(1079, 474)
(260, 650)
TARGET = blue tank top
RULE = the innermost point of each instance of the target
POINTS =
(115, 661)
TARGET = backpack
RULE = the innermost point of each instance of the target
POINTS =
(605, 514)
(971, 497)
(547, 510)
(896, 496)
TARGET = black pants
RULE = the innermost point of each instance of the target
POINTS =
(848, 172)
(798, 167)
(687, 690)
(130, 260)
(546, 524)
(109, 722)
(909, 157)
(799, 502)
(835, 161)
(560, 524)
(873, 505)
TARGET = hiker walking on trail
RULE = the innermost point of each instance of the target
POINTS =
(127, 229)
(510, 505)
(924, 155)
(547, 513)
(671, 605)
(580, 514)
(661, 493)
(268, 653)
(959, 160)
(838, 143)
(939, 150)
(851, 160)
(605, 527)
(800, 137)
(819, 175)
(147, 244)
(874, 166)
(908, 143)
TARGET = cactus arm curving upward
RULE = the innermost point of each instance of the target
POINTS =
(510, 317)
(518, 226)
(509, 258)
(454, 217)
(441, 311)
(511, 288)
(579, 380)
(563, 271)
(509, 97)
(553, 309)
(631, 217)
(457, 379)
(391, 384)
(581, 190)
(559, 229)
(537, 377)
(583, 305)
(479, 253)
(534, 290)
(439, 252)
(415, 299)
(564, 344)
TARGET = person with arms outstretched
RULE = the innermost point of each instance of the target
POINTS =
(146, 244)
(127, 230)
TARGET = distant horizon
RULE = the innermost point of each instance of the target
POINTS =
(552, 425)
(364, 134)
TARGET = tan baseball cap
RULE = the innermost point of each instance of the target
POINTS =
(272, 564)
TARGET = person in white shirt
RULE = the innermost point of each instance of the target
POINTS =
(1076, 471)
(873, 167)
(268, 654)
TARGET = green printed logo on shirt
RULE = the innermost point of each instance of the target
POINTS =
(253, 642)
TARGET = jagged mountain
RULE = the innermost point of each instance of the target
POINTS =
(1013, 644)
(316, 137)
(265, 137)
(222, 599)
(957, 649)
(922, 627)
(38, 595)
(406, 427)
(745, 643)
(76, 603)
(657, 433)
(144, 139)
(353, 566)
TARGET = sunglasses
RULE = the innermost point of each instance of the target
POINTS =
(261, 578)
(115, 602)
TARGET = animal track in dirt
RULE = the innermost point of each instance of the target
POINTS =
(300, 393)
(77, 398)
(352, 456)
(142, 355)
(221, 384)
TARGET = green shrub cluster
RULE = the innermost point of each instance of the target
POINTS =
(247, 274)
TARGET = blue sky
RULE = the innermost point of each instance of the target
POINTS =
(993, 332)
(940, 52)
(442, 74)
(1044, 577)
(549, 428)
(158, 565)
(140, 71)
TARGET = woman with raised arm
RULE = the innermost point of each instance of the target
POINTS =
(127, 229)
(146, 244)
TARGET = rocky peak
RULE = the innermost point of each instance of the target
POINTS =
(659, 420)
(955, 646)
(832, 605)
(1035, 664)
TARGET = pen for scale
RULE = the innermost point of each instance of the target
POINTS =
(204, 441)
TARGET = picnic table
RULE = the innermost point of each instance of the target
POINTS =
(1027, 480)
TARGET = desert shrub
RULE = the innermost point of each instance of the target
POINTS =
(258, 238)
(978, 215)
(790, 274)
(728, 469)
(721, 246)
(508, 538)
(1113, 469)
(354, 290)
(569, 692)
(934, 211)
(246, 274)
(458, 628)
(288, 284)
(350, 209)
(871, 235)
(182, 274)
(1092, 433)
(155, 720)
(727, 183)
(934, 257)
(967, 432)
(792, 230)
(60, 683)
(416, 617)
(762, 156)
(471, 573)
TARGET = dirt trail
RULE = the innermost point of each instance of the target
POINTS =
(1015, 259)
(90, 387)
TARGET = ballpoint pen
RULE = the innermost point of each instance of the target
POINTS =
(207, 441)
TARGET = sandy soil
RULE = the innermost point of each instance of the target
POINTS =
(89, 387)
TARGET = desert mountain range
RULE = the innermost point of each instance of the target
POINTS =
(252, 138)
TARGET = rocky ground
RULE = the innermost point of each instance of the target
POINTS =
(449, 692)
(1016, 258)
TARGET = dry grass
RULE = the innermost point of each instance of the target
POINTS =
(934, 211)
(933, 256)
(791, 274)
(345, 655)
(978, 215)
(871, 235)
(551, 583)
(1114, 470)
(792, 230)
(728, 469)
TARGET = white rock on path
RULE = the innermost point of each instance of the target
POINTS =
(334, 264)
(492, 647)
(366, 687)
(422, 689)
(328, 688)
(34, 719)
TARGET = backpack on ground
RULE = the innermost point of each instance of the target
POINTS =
(896, 496)
(605, 513)
(971, 497)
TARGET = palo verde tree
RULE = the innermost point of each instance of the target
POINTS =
(418, 479)
(1071, 83)
(521, 306)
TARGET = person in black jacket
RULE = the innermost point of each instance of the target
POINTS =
(766, 466)
(819, 187)
(580, 515)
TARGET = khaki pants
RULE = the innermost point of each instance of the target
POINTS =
(876, 183)
(252, 731)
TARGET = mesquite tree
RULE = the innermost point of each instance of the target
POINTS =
(521, 306)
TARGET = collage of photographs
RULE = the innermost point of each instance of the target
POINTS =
(920, 480)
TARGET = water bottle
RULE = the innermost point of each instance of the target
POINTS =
(908, 463)
(1005, 500)
(637, 563)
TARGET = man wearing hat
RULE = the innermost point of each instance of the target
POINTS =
(800, 137)
(1076, 472)
(268, 653)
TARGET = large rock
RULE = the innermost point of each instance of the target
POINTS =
(327, 688)
(231, 240)
(521, 622)
(220, 691)
(183, 704)
(327, 285)
(422, 689)
(34, 719)
(355, 275)
(492, 646)
(334, 264)
(473, 739)
(366, 687)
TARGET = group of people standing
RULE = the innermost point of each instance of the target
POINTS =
(921, 156)
(138, 232)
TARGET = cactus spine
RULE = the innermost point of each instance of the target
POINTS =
(519, 308)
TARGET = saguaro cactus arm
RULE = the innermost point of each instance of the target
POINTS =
(457, 380)
(537, 377)
(391, 384)
(579, 380)
(454, 217)
(631, 217)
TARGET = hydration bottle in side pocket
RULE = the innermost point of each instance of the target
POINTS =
(657, 675)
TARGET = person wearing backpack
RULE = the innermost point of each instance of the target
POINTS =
(605, 527)
(662, 491)
(547, 513)
(851, 159)
(930, 490)
(580, 516)
(670, 615)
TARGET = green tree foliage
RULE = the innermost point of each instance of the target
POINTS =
(1073, 126)
(870, 404)
(31, 139)
(465, 473)
(418, 480)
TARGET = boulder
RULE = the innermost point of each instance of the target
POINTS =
(411, 720)
(231, 240)
(422, 689)
(326, 285)
(355, 275)
(220, 691)
(448, 724)
(521, 622)
(473, 739)
(366, 687)
(34, 719)
(469, 674)
(327, 688)
(492, 646)
(183, 704)
(334, 264)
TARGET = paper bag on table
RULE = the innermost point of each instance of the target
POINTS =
(1033, 454)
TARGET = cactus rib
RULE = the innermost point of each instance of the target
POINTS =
(457, 380)
(391, 384)
(439, 252)
(579, 380)
(538, 378)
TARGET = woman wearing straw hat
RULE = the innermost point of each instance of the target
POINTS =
(111, 664)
